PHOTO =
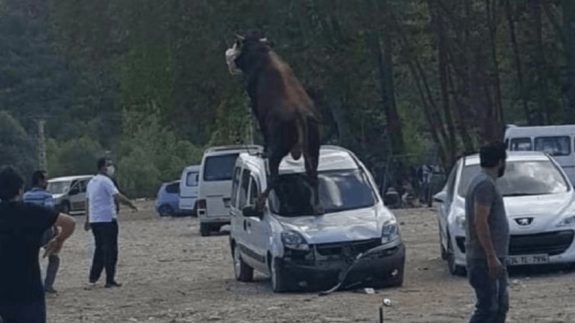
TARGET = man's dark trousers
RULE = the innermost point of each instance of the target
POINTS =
(106, 254)
(33, 312)
(492, 295)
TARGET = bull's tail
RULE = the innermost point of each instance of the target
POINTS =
(300, 146)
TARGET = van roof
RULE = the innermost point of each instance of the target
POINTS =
(331, 158)
(69, 178)
(512, 156)
(232, 149)
(540, 130)
(192, 167)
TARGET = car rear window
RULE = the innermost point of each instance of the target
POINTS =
(173, 188)
(554, 146)
(219, 168)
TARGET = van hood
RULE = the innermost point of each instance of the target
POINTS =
(362, 224)
(56, 197)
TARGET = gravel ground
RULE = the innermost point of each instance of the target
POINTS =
(171, 274)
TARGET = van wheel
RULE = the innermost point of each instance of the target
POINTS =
(166, 210)
(279, 279)
(242, 271)
(65, 208)
(205, 229)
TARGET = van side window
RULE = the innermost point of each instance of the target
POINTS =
(173, 188)
(244, 188)
(254, 191)
(235, 183)
(192, 179)
(554, 146)
(521, 144)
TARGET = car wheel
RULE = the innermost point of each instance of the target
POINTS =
(65, 208)
(166, 210)
(205, 229)
(454, 269)
(279, 280)
(242, 271)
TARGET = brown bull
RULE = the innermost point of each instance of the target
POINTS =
(285, 113)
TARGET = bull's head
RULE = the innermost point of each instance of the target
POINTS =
(235, 53)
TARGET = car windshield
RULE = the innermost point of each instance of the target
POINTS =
(219, 168)
(522, 178)
(58, 187)
(338, 191)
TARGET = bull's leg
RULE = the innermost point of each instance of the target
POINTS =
(275, 158)
(311, 155)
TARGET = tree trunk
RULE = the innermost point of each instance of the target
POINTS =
(540, 61)
(385, 71)
(517, 59)
(491, 9)
(437, 20)
(569, 47)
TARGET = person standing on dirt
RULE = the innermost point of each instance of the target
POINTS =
(39, 196)
(101, 217)
(22, 225)
(487, 231)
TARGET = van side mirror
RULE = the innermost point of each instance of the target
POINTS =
(251, 211)
(440, 197)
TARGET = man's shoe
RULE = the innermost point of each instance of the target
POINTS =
(113, 284)
(90, 286)
(50, 290)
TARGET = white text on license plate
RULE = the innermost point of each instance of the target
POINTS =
(528, 260)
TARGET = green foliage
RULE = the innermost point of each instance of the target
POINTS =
(17, 149)
(73, 157)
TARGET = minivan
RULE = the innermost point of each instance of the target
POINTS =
(189, 189)
(69, 193)
(557, 141)
(215, 185)
(298, 249)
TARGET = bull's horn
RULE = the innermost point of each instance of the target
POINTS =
(240, 37)
(264, 40)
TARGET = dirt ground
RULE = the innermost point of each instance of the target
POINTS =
(171, 274)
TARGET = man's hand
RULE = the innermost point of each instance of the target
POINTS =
(53, 247)
(87, 226)
(496, 269)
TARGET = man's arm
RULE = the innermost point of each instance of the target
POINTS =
(482, 211)
(67, 224)
(87, 223)
(124, 200)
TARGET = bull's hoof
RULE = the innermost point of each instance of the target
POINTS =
(318, 210)
(260, 202)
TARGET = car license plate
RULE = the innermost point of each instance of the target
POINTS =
(528, 260)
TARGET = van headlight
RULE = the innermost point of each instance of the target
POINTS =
(568, 221)
(460, 221)
(390, 232)
(294, 240)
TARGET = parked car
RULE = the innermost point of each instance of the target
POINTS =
(69, 193)
(189, 189)
(540, 204)
(215, 185)
(168, 200)
(297, 249)
(558, 141)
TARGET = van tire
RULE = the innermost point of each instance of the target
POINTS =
(242, 271)
(65, 207)
(280, 283)
(205, 229)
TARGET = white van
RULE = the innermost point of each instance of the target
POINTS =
(215, 185)
(557, 141)
(189, 189)
(69, 193)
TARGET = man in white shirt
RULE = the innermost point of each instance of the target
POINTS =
(101, 195)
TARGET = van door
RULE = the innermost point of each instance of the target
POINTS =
(561, 148)
(245, 241)
(255, 229)
(77, 198)
(237, 229)
(189, 189)
(217, 184)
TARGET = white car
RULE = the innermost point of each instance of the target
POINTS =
(540, 205)
(301, 250)
(69, 193)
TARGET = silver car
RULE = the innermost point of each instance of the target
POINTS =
(540, 205)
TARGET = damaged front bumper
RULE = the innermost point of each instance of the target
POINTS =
(382, 266)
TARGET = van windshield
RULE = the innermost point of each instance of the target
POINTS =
(219, 168)
(58, 187)
(338, 191)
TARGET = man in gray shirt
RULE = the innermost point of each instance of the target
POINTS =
(487, 231)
